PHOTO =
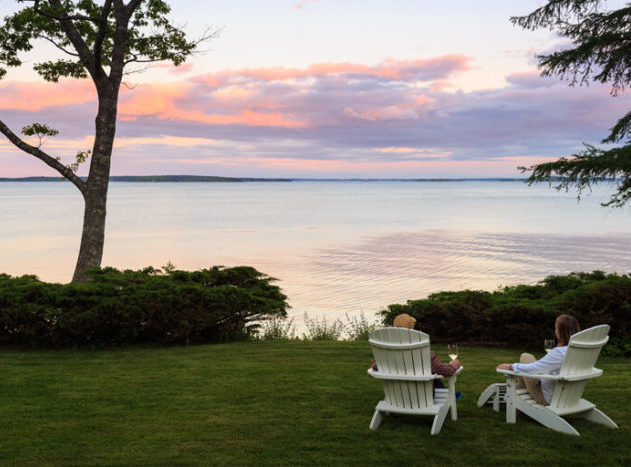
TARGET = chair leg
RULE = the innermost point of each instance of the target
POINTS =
(496, 400)
(439, 419)
(548, 419)
(492, 393)
(511, 399)
(596, 416)
(376, 420)
(452, 397)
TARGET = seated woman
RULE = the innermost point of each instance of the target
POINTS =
(542, 390)
(438, 367)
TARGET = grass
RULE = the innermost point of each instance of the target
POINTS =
(298, 403)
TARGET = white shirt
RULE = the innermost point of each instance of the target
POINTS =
(548, 365)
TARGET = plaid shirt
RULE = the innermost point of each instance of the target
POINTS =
(440, 368)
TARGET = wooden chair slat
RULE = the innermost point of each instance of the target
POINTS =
(405, 352)
(578, 367)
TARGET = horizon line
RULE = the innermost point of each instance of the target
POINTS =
(215, 178)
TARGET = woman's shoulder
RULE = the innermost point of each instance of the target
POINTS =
(559, 350)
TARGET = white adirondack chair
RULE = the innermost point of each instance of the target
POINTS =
(578, 367)
(404, 367)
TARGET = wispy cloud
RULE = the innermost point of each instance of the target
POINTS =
(300, 5)
(394, 118)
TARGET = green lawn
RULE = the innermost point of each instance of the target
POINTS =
(272, 403)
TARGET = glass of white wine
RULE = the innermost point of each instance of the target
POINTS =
(548, 345)
(452, 351)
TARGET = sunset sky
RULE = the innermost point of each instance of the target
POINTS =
(328, 88)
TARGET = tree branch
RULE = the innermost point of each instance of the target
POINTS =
(132, 5)
(79, 44)
(40, 36)
(41, 155)
(102, 31)
(61, 18)
(123, 14)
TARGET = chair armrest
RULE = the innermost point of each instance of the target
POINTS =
(382, 375)
(596, 372)
(455, 374)
(530, 375)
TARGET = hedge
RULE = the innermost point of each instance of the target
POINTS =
(523, 316)
(149, 306)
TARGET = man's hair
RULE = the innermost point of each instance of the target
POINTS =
(567, 325)
(404, 321)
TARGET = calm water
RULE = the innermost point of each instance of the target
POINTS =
(336, 247)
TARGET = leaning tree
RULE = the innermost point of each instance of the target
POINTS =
(599, 49)
(101, 41)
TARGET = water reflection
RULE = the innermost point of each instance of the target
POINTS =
(402, 266)
(338, 247)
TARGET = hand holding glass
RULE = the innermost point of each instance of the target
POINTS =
(452, 351)
(548, 345)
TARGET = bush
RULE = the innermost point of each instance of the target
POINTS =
(276, 329)
(523, 316)
(358, 328)
(321, 330)
(137, 307)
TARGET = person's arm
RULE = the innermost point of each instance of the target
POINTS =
(443, 369)
(549, 363)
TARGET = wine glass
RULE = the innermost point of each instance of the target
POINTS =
(452, 351)
(548, 345)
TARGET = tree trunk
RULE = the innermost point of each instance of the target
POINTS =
(93, 236)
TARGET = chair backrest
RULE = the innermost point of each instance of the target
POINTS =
(582, 353)
(404, 352)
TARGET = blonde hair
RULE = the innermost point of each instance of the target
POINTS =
(404, 321)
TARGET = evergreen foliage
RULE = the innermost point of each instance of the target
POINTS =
(600, 51)
(523, 316)
(137, 307)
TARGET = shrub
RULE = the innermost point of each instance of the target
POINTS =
(523, 316)
(321, 330)
(358, 328)
(137, 307)
(276, 329)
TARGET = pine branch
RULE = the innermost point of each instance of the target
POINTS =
(586, 168)
(621, 129)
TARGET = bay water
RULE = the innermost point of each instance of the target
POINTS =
(337, 247)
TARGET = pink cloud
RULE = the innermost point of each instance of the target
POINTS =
(176, 70)
(530, 79)
(300, 5)
(155, 99)
(181, 69)
(34, 96)
(293, 97)
(400, 70)
(350, 117)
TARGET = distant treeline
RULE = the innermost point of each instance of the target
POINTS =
(154, 178)
(209, 178)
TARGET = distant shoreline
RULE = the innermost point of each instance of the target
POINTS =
(212, 179)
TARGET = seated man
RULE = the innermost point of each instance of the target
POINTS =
(438, 367)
